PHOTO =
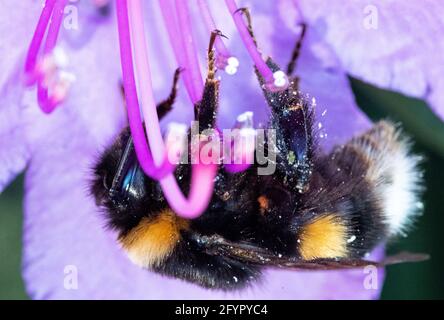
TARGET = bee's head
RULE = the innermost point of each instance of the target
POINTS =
(121, 187)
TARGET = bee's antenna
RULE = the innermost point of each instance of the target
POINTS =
(167, 105)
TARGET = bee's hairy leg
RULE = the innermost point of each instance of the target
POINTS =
(205, 109)
(292, 118)
(167, 105)
(211, 72)
(288, 109)
(291, 66)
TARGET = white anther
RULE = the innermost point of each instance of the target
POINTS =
(278, 83)
(53, 75)
(60, 91)
(233, 61)
(232, 65)
(60, 57)
(245, 119)
(67, 77)
(62, 84)
(230, 70)
(280, 79)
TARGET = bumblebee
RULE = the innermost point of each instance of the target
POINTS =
(316, 211)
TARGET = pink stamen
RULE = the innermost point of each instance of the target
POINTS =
(36, 42)
(147, 100)
(276, 81)
(169, 17)
(202, 186)
(224, 59)
(202, 180)
(54, 26)
(191, 60)
(135, 122)
(53, 10)
(48, 103)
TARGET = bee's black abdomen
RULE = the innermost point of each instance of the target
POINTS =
(361, 195)
(190, 262)
(393, 175)
(359, 204)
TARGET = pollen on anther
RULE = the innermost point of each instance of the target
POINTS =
(232, 63)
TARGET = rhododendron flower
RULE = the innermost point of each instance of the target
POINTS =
(393, 45)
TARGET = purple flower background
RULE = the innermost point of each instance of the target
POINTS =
(63, 227)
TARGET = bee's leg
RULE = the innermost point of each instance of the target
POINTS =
(205, 110)
(190, 261)
(292, 117)
(167, 105)
(296, 50)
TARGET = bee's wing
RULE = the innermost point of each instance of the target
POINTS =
(347, 263)
(253, 254)
(405, 256)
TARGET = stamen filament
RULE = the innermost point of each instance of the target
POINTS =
(191, 60)
(274, 81)
(48, 103)
(52, 14)
(135, 122)
(201, 190)
(169, 17)
(54, 26)
(36, 42)
(202, 180)
(147, 101)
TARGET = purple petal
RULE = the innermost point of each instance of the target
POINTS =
(15, 118)
(63, 228)
(399, 49)
(17, 23)
(15, 151)
(15, 34)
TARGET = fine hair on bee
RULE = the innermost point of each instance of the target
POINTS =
(317, 211)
